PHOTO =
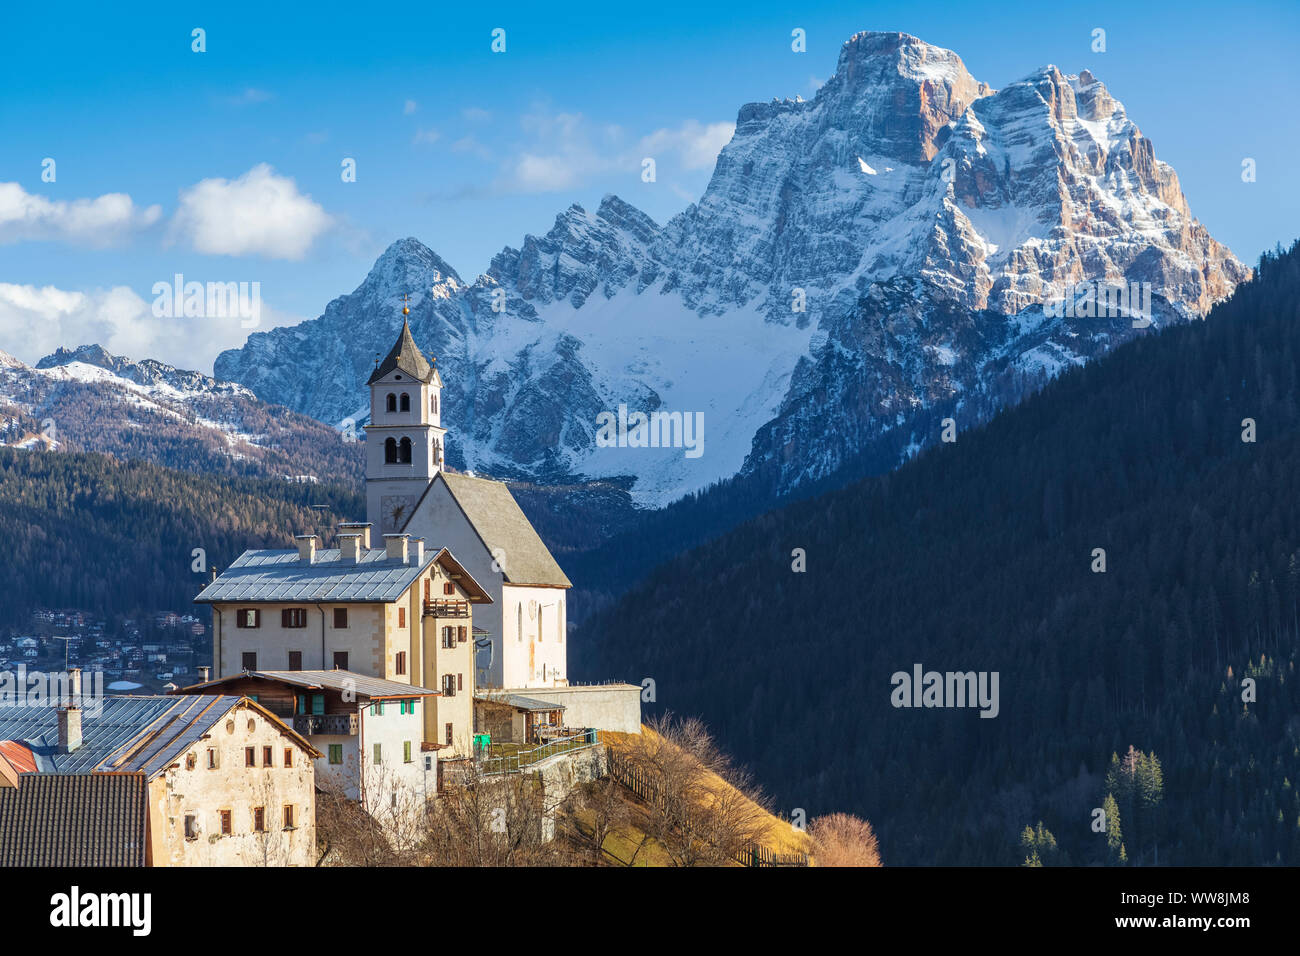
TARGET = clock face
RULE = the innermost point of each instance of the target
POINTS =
(394, 509)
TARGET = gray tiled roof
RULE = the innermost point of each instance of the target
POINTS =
(360, 684)
(503, 527)
(129, 734)
(73, 820)
(280, 576)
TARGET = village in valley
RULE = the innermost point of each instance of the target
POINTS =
(380, 696)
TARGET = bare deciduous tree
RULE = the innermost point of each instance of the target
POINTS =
(841, 839)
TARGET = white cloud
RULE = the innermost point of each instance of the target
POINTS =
(34, 321)
(409, 107)
(475, 114)
(567, 148)
(696, 144)
(248, 97)
(96, 222)
(426, 136)
(259, 213)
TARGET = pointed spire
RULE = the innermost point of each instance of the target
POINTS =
(405, 355)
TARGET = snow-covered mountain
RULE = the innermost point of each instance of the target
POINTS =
(87, 399)
(889, 245)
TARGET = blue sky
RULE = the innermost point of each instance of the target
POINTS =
(469, 150)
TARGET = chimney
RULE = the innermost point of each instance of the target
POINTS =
(205, 674)
(396, 544)
(70, 715)
(418, 555)
(362, 528)
(306, 548)
(350, 547)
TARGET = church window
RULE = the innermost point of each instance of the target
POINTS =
(406, 402)
(519, 622)
(390, 450)
(404, 452)
(433, 404)
(392, 402)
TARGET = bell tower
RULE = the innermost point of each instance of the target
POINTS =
(404, 440)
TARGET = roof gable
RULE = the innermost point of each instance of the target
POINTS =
(504, 530)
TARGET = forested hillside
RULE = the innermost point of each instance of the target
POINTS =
(982, 555)
(90, 531)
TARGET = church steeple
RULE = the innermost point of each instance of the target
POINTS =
(405, 436)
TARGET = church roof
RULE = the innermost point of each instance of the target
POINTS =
(505, 530)
(405, 356)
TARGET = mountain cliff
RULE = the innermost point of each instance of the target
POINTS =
(908, 236)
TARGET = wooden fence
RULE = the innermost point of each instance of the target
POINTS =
(644, 787)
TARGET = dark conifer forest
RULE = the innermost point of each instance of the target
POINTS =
(1160, 692)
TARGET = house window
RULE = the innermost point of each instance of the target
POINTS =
(293, 617)
(377, 709)
(248, 617)
(295, 660)
(212, 759)
(448, 588)
(248, 660)
(288, 816)
(408, 706)
(259, 819)
(448, 685)
(225, 823)
(462, 632)
(378, 754)
(340, 617)
(460, 681)
(336, 753)
(340, 660)
(406, 751)
(390, 451)
(250, 756)
(191, 760)
(268, 759)
(288, 756)
(448, 636)
(404, 403)
(191, 827)
(399, 665)
(401, 617)
(448, 734)
(391, 402)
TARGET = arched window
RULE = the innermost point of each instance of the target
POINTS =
(404, 452)
(519, 622)
(392, 402)
(437, 452)
(390, 450)
(433, 404)
(406, 402)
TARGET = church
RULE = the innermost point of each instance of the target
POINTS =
(521, 640)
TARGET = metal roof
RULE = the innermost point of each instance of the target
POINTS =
(281, 576)
(74, 820)
(128, 734)
(360, 684)
(518, 701)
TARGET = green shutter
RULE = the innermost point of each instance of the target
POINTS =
(318, 703)
(336, 753)
(406, 751)
(379, 755)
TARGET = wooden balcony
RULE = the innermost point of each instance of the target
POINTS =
(446, 609)
(336, 725)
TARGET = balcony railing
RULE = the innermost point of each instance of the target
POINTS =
(446, 609)
(336, 725)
